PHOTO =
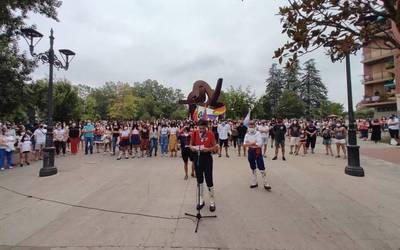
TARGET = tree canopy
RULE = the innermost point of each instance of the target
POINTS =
(341, 25)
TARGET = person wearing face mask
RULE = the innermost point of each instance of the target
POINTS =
(264, 131)
(224, 130)
(124, 142)
(135, 141)
(88, 134)
(340, 139)
(203, 144)
(40, 141)
(144, 141)
(242, 130)
(73, 133)
(115, 135)
(294, 136)
(154, 137)
(59, 139)
(279, 133)
(253, 141)
(184, 139)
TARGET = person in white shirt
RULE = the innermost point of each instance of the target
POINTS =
(25, 146)
(393, 125)
(224, 130)
(40, 141)
(59, 139)
(253, 141)
(264, 131)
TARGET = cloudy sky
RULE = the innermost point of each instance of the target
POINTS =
(177, 42)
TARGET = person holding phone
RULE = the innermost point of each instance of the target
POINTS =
(203, 144)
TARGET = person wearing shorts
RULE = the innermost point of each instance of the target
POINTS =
(279, 132)
(184, 139)
(340, 139)
(40, 140)
(264, 131)
(224, 129)
(327, 139)
(242, 130)
(294, 136)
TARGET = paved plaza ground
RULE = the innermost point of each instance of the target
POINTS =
(313, 205)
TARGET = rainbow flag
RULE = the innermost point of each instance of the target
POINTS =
(209, 113)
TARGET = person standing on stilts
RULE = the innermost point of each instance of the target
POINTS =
(254, 142)
(203, 144)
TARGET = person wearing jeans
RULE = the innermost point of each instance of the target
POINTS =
(153, 140)
(164, 140)
(3, 147)
(88, 135)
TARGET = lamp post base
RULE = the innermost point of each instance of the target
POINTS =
(353, 167)
(47, 171)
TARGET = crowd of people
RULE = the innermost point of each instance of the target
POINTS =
(164, 137)
(197, 142)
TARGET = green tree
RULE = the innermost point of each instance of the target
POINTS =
(344, 26)
(125, 104)
(328, 108)
(15, 67)
(238, 101)
(262, 108)
(313, 90)
(364, 113)
(292, 77)
(275, 84)
(290, 105)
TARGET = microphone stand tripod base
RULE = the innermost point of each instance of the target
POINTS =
(198, 216)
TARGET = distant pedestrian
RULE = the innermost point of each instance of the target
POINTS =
(88, 134)
(73, 134)
(224, 131)
(279, 133)
(376, 128)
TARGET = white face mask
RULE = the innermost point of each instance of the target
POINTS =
(252, 130)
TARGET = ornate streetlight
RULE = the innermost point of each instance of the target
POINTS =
(32, 37)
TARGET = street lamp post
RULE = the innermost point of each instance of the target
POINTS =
(353, 167)
(49, 57)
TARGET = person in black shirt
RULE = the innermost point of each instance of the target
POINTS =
(279, 132)
(294, 135)
(242, 130)
(73, 134)
(311, 131)
(184, 139)
(115, 134)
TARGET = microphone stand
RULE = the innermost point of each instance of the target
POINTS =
(198, 216)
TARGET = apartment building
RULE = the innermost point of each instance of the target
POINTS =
(381, 78)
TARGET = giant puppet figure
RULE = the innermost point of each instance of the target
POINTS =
(203, 98)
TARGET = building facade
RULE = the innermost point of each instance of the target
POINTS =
(381, 77)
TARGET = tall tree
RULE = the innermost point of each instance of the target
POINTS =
(292, 77)
(15, 67)
(275, 83)
(290, 105)
(313, 90)
(262, 108)
(343, 26)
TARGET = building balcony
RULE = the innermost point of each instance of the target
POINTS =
(376, 55)
(378, 77)
(388, 98)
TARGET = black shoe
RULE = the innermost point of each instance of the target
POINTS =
(21, 165)
(28, 163)
(199, 207)
(212, 208)
(283, 158)
(267, 187)
(219, 155)
(254, 186)
(275, 158)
